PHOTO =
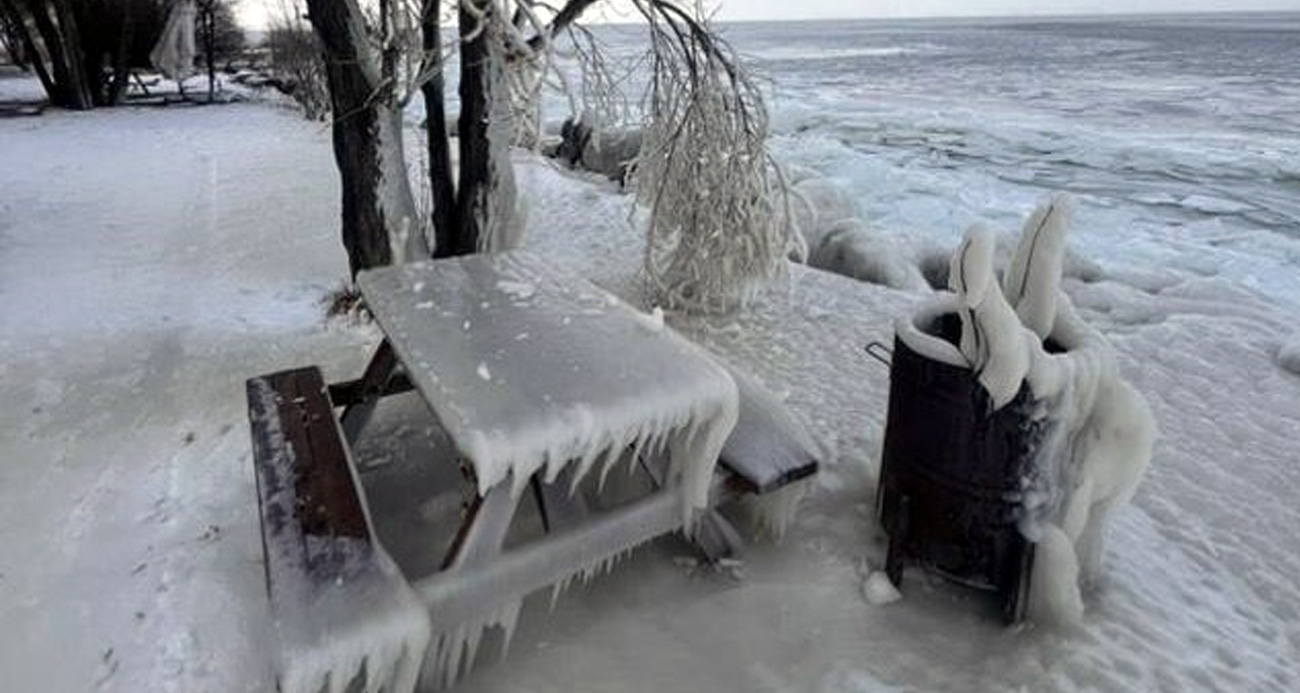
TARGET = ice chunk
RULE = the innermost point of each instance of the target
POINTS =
(1116, 449)
(655, 320)
(519, 290)
(970, 271)
(912, 332)
(483, 371)
(878, 590)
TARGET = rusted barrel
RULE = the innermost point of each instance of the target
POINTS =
(952, 469)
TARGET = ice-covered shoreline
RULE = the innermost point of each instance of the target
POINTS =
(135, 305)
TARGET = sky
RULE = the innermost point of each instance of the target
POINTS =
(253, 13)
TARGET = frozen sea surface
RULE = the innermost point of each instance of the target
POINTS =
(1180, 135)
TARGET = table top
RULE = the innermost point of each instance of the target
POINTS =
(528, 366)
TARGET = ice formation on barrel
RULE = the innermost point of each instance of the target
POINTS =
(992, 338)
(1099, 431)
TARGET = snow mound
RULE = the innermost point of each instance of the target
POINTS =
(1288, 356)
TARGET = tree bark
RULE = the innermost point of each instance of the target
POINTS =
(49, 31)
(472, 132)
(210, 48)
(122, 61)
(79, 86)
(379, 221)
(441, 178)
(485, 203)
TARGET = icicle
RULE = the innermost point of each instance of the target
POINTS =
(605, 458)
(773, 512)
(604, 471)
(507, 620)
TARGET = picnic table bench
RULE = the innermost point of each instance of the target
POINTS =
(540, 379)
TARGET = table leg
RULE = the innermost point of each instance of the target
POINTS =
(373, 384)
(484, 530)
(560, 509)
(715, 536)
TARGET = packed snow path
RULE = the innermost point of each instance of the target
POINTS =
(150, 261)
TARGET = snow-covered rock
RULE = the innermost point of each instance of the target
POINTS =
(818, 203)
(850, 249)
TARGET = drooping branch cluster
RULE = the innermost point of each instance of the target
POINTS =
(716, 232)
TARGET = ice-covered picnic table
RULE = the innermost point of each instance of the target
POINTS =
(538, 375)
(540, 379)
(528, 367)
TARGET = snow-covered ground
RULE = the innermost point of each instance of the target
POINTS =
(152, 259)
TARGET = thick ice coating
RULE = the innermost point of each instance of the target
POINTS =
(992, 339)
(1033, 278)
(575, 374)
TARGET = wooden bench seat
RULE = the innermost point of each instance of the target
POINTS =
(328, 580)
(304, 478)
(767, 449)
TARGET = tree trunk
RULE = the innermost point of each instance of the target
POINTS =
(210, 49)
(49, 31)
(122, 61)
(379, 221)
(485, 206)
(440, 173)
(80, 88)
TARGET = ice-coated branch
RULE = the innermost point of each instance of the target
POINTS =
(715, 235)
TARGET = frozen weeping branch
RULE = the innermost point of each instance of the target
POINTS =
(716, 230)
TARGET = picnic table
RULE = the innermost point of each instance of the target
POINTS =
(539, 378)
(531, 370)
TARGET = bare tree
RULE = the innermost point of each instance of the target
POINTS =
(296, 60)
(701, 107)
(379, 218)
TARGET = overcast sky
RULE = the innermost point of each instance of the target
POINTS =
(253, 14)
